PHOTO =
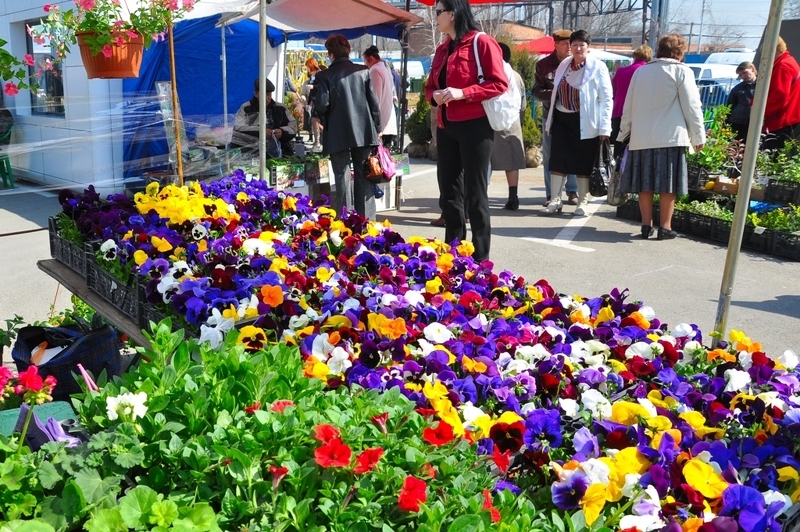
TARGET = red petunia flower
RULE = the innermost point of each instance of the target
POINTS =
(335, 453)
(252, 408)
(427, 470)
(501, 460)
(30, 380)
(412, 494)
(489, 505)
(325, 433)
(367, 460)
(425, 412)
(380, 421)
(440, 435)
(280, 405)
(277, 475)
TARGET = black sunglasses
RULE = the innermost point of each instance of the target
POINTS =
(440, 11)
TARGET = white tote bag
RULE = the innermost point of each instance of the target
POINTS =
(502, 110)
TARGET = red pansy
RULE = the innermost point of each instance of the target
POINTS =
(412, 494)
(335, 453)
(367, 460)
(440, 435)
(325, 433)
(507, 437)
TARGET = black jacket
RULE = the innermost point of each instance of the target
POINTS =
(741, 100)
(245, 129)
(347, 106)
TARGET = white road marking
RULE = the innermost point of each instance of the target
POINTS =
(564, 238)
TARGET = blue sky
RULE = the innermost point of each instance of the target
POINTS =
(741, 16)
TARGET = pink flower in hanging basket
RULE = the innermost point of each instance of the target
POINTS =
(108, 51)
(85, 5)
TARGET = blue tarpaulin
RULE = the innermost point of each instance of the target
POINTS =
(198, 65)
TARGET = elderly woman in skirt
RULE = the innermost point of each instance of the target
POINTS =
(662, 117)
(579, 119)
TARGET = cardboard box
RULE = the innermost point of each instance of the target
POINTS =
(389, 200)
(757, 193)
(318, 171)
(726, 187)
(286, 176)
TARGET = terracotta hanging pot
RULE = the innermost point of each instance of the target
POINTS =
(124, 61)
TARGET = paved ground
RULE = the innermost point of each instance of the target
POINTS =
(680, 279)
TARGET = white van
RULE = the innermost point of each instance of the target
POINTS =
(713, 71)
(732, 56)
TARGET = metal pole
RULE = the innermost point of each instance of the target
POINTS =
(262, 82)
(700, 37)
(655, 7)
(769, 43)
(176, 126)
(691, 31)
(663, 29)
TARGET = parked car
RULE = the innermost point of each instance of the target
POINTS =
(732, 56)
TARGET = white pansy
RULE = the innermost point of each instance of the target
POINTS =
(212, 335)
(771, 496)
(647, 351)
(516, 366)
(426, 249)
(479, 322)
(736, 380)
(596, 403)
(414, 297)
(321, 348)
(108, 245)
(128, 406)
(788, 359)
(503, 359)
(437, 333)
(388, 299)
(684, 330)
(336, 238)
(527, 408)
(631, 484)
(773, 399)
(569, 406)
(532, 353)
(253, 246)
(351, 304)
(596, 471)
(247, 303)
(649, 406)
(299, 322)
(692, 350)
(199, 232)
(557, 334)
(339, 361)
(470, 413)
(642, 523)
(745, 360)
(648, 313)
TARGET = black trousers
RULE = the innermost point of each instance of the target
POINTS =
(464, 154)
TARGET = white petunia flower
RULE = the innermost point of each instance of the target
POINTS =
(736, 380)
(437, 333)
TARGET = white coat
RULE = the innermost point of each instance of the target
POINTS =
(596, 97)
(662, 108)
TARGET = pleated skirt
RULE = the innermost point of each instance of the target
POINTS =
(658, 170)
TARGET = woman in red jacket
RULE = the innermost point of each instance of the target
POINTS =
(782, 115)
(464, 137)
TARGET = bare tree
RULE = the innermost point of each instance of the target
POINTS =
(792, 9)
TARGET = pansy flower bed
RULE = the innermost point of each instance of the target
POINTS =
(591, 407)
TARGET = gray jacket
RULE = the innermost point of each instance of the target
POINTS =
(347, 106)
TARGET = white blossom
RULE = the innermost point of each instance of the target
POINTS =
(127, 406)
(437, 333)
(736, 380)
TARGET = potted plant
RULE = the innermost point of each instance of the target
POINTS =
(110, 40)
(12, 71)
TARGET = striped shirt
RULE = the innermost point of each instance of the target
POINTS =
(569, 96)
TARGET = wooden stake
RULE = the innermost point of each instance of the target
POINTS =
(176, 126)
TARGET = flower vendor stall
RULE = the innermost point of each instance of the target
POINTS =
(379, 382)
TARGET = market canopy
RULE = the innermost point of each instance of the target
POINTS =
(543, 45)
(431, 2)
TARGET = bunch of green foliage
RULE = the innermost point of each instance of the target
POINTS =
(418, 124)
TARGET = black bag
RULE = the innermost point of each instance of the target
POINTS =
(598, 180)
(96, 349)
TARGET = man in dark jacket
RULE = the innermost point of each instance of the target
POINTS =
(741, 100)
(348, 109)
(281, 124)
(542, 89)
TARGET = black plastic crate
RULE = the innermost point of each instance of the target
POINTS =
(758, 239)
(699, 224)
(125, 297)
(779, 191)
(679, 221)
(721, 231)
(786, 245)
(68, 253)
(698, 177)
(629, 211)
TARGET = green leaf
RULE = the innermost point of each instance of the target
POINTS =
(72, 499)
(106, 520)
(202, 516)
(135, 506)
(130, 457)
(466, 523)
(558, 522)
(224, 419)
(53, 513)
(163, 513)
(28, 526)
(48, 475)
(94, 487)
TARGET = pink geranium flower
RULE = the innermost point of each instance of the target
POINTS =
(11, 89)
(85, 5)
(29, 60)
(107, 50)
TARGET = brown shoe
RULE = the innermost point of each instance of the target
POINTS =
(439, 222)
(572, 198)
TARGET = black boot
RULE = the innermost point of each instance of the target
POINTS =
(513, 201)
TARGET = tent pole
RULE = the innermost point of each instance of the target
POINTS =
(262, 82)
(403, 96)
(770, 42)
(175, 124)
(225, 97)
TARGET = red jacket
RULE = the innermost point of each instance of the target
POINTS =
(462, 73)
(783, 98)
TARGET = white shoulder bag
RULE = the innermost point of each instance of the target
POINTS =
(502, 110)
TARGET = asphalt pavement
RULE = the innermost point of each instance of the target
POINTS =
(680, 279)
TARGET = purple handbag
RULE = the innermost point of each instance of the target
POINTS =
(384, 157)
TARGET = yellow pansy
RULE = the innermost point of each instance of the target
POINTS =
(640, 320)
(617, 366)
(386, 327)
(534, 294)
(327, 211)
(323, 274)
(289, 203)
(659, 423)
(509, 417)
(743, 342)
(702, 477)
(434, 286)
(692, 524)
(445, 262)
(667, 403)
(484, 424)
(593, 502)
(630, 460)
(413, 386)
(279, 263)
(202, 245)
(231, 313)
(435, 391)
(337, 322)
(605, 314)
(615, 481)
(676, 437)
(579, 316)
(693, 418)
(628, 413)
(160, 244)
(445, 410)
(451, 358)
(139, 257)
(465, 248)
(152, 189)
(178, 254)
(788, 473)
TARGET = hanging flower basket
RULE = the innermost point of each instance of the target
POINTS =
(124, 61)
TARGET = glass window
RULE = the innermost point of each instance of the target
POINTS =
(48, 99)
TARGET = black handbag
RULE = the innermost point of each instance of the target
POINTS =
(598, 180)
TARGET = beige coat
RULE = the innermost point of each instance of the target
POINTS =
(662, 108)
